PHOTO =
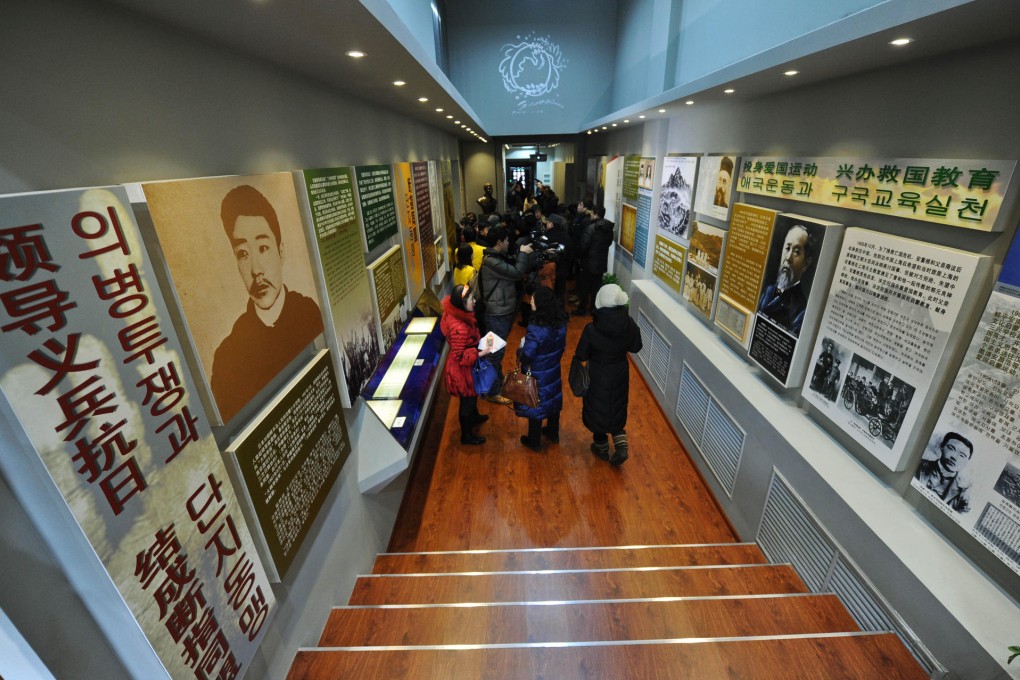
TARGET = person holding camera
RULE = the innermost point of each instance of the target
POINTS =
(593, 252)
(499, 276)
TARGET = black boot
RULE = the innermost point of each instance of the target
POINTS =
(600, 449)
(620, 444)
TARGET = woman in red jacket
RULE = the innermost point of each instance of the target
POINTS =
(461, 331)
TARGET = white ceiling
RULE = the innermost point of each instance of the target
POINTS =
(310, 38)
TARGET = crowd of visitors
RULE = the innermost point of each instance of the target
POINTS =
(517, 265)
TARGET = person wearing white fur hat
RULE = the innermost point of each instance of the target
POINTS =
(604, 345)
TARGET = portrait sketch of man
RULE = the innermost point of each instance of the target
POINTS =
(237, 255)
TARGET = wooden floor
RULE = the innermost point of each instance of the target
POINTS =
(501, 495)
(507, 563)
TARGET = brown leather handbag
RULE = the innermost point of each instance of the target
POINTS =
(521, 387)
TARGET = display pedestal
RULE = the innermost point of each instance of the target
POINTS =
(398, 397)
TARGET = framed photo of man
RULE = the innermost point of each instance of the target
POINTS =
(238, 260)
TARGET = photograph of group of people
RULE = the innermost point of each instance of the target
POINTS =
(879, 399)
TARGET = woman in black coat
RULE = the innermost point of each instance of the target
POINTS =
(604, 345)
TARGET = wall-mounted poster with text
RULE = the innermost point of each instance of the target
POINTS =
(715, 186)
(970, 469)
(796, 278)
(702, 270)
(288, 458)
(237, 257)
(409, 236)
(676, 197)
(377, 202)
(957, 193)
(895, 317)
(111, 440)
(423, 211)
(343, 279)
(747, 250)
(389, 289)
(668, 262)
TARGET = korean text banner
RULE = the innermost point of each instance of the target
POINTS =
(93, 371)
(957, 193)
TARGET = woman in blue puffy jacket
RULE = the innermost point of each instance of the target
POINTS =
(541, 351)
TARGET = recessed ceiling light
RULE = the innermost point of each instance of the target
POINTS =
(662, 110)
(456, 122)
(626, 120)
(729, 90)
(900, 42)
(355, 54)
(399, 83)
(790, 73)
(463, 125)
(589, 132)
(423, 99)
(604, 127)
(450, 117)
(439, 109)
(614, 124)
(689, 102)
(642, 117)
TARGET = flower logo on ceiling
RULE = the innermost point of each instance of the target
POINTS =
(531, 68)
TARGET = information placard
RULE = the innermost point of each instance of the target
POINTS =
(423, 209)
(750, 235)
(389, 287)
(668, 262)
(971, 467)
(343, 280)
(287, 460)
(892, 322)
(378, 203)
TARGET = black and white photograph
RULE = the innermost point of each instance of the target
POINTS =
(878, 398)
(828, 369)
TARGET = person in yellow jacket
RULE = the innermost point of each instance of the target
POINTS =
(464, 273)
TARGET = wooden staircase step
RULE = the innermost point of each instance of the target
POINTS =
(569, 558)
(605, 584)
(654, 619)
(840, 656)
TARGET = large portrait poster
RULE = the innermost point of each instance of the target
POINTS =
(676, 197)
(238, 260)
(409, 236)
(894, 316)
(715, 186)
(343, 279)
(92, 370)
(702, 270)
(798, 267)
(970, 469)
(750, 235)
(423, 209)
(378, 210)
